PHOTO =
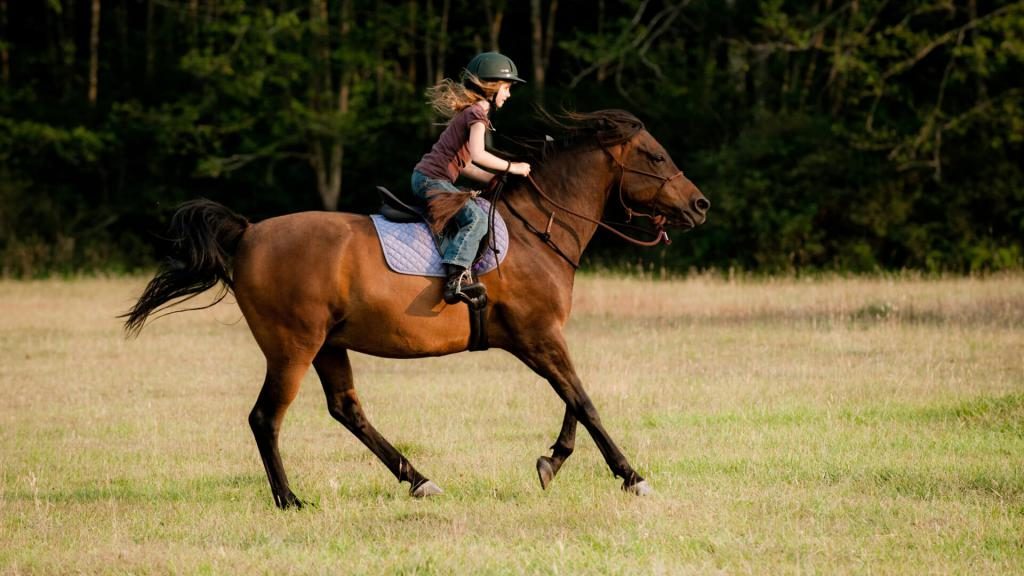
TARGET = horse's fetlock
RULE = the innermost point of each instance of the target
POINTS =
(561, 452)
(337, 412)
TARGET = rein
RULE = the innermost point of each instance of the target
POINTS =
(656, 219)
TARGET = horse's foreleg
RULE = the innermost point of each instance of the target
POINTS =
(547, 467)
(550, 359)
(279, 389)
(335, 371)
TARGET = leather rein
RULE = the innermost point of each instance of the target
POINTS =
(657, 220)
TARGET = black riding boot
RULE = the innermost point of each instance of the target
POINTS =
(461, 287)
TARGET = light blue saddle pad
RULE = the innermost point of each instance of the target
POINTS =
(409, 247)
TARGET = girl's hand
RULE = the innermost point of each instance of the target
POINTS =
(520, 168)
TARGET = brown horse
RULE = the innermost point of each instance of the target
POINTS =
(314, 285)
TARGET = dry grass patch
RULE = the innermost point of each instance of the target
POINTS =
(857, 425)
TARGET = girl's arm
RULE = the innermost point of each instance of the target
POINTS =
(484, 159)
(474, 173)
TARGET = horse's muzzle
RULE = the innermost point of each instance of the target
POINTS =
(691, 216)
(696, 213)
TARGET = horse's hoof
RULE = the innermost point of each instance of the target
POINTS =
(545, 471)
(290, 500)
(425, 489)
(641, 488)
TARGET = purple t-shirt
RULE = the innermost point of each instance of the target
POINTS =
(450, 154)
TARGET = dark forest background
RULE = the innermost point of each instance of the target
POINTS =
(854, 136)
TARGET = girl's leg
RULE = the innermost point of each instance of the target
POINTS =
(472, 224)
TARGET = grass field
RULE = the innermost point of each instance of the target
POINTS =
(787, 426)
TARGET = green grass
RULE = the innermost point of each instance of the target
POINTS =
(831, 426)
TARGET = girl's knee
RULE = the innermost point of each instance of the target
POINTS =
(471, 213)
(478, 211)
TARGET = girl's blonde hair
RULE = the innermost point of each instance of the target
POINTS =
(448, 97)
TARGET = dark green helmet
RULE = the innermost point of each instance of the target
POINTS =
(494, 66)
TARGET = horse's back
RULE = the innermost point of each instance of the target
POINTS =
(323, 274)
(304, 249)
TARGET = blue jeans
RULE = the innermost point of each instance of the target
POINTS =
(471, 222)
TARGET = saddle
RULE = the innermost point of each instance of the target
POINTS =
(397, 211)
(406, 252)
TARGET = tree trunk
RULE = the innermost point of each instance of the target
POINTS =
(123, 46)
(323, 47)
(5, 55)
(442, 41)
(602, 70)
(979, 79)
(543, 38)
(325, 154)
(410, 73)
(428, 41)
(94, 53)
(537, 48)
(150, 42)
(344, 89)
(346, 72)
(193, 21)
(67, 48)
(549, 34)
(494, 17)
(812, 66)
(378, 53)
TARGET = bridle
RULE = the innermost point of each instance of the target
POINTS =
(657, 220)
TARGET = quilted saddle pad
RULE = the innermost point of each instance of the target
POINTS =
(409, 248)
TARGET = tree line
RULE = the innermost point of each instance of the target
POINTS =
(857, 135)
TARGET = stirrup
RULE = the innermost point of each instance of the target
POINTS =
(461, 287)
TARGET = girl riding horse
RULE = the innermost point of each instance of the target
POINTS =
(303, 312)
(486, 85)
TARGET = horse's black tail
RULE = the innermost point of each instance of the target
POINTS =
(204, 236)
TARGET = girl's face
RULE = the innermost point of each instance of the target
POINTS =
(503, 94)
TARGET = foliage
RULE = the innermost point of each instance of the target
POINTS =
(855, 136)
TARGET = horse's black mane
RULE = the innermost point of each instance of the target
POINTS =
(572, 130)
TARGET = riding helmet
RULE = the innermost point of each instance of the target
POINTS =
(494, 66)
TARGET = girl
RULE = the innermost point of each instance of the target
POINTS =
(459, 150)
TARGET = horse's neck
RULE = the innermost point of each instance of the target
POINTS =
(578, 181)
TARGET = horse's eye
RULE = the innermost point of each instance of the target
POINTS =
(659, 158)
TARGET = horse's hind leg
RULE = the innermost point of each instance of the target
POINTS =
(279, 389)
(335, 371)
(547, 467)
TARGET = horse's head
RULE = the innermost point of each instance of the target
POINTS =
(643, 177)
(650, 183)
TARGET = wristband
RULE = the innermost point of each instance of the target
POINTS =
(509, 165)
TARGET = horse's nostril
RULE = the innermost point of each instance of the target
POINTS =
(701, 204)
